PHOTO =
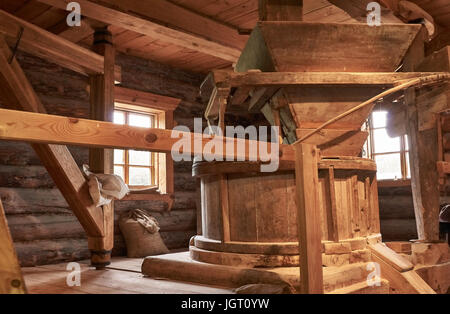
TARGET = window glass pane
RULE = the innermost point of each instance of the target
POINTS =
(389, 166)
(119, 156)
(119, 170)
(406, 142)
(379, 119)
(119, 117)
(139, 120)
(408, 169)
(139, 158)
(385, 144)
(140, 176)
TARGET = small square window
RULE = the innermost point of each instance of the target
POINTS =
(137, 168)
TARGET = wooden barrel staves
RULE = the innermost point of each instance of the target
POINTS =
(249, 218)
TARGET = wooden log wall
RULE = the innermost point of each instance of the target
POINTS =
(397, 220)
(43, 228)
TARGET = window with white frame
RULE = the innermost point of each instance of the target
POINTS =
(139, 169)
(390, 154)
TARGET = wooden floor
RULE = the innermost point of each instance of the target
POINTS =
(122, 277)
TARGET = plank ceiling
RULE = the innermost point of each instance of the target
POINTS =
(237, 14)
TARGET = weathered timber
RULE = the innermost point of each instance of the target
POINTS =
(41, 128)
(51, 47)
(11, 280)
(18, 93)
(118, 15)
(309, 233)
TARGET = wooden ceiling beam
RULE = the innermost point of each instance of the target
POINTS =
(51, 47)
(357, 9)
(280, 10)
(139, 16)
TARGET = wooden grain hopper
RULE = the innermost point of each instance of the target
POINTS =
(299, 47)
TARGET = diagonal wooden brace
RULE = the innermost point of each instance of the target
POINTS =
(17, 93)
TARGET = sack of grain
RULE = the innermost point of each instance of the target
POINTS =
(141, 233)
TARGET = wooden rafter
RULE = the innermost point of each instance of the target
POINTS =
(17, 93)
(51, 47)
(123, 14)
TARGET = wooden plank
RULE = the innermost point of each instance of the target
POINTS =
(145, 99)
(242, 208)
(261, 79)
(336, 142)
(280, 10)
(219, 96)
(395, 260)
(437, 61)
(260, 97)
(333, 229)
(41, 128)
(365, 48)
(225, 209)
(117, 15)
(240, 95)
(11, 280)
(179, 17)
(306, 173)
(401, 282)
(18, 93)
(51, 47)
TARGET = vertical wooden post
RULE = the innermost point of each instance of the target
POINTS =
(423, 155)
(102, 160)
(11, 280)
(310, 238)
(280, 10)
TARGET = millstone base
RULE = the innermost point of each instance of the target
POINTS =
(180, 267)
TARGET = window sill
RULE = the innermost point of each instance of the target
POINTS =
(393, 183)
(150, 195)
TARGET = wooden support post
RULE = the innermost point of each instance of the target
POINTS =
(310, 238)
(281, 10)
(11, 280)
(102, 160)
(423, 156)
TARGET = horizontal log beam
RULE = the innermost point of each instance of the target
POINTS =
(117, 15)
(225, 78)
(51, 129)
(48, 46)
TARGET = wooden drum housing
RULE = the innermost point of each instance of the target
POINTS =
(249, 218)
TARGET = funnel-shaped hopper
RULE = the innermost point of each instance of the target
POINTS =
(317, 47)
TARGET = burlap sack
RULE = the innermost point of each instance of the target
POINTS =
(141, 233)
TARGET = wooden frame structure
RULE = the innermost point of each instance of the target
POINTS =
(48, 133)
